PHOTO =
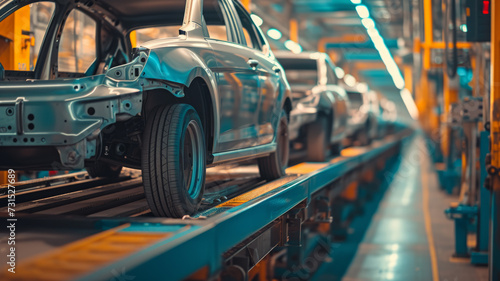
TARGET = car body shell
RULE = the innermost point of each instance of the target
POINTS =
(363, 113)
(325, 99)
(69, 114)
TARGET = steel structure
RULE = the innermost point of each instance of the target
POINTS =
(237, 233)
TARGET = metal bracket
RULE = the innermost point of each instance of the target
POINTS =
(472, 109)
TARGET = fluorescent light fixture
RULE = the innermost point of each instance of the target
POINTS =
(257, 20)
(382, 49)
(409, 103)
(463, 27)
(362, 11)
(356, 1)
(362, 87)
(350, 80)
(292, 46)
(368, 23)
(273, 33)
(340, 72)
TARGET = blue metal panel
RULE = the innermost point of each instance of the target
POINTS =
(203, 243)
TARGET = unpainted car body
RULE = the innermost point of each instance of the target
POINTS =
(387, 119)
(364, 112)
(320, 105)
(234, 90)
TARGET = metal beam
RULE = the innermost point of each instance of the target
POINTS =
(494, 262)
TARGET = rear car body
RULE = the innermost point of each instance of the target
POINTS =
(315, 94)
(364, 112)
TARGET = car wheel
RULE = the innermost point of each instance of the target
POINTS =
(174, 160)
(318, 140)
(274, 165)
(103, 169)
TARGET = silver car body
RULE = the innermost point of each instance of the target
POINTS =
(324, 97)
(363, 111)
(246, 90)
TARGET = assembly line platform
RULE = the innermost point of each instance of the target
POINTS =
(402, 233)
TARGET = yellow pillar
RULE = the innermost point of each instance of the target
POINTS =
(133, 38)
(246, 4)
(294, 30)
(495, 91)
(16, 50)
(428, 36)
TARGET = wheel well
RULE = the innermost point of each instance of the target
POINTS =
(197, 95)
(330, 118)
(287, 106)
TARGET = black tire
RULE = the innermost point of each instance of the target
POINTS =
(103, 169)
(273, 166)
(318, 140)
(174, 160)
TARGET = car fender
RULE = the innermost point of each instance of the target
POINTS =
(181, 66)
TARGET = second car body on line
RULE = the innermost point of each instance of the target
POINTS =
(319, 117)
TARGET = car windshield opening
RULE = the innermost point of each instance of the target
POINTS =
(300, 72)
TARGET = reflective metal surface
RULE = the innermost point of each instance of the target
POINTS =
(323, 98)
(246, 87)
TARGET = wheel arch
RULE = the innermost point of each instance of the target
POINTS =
(198, 95)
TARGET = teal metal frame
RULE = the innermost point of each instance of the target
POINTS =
(200, 243)
(479, 255)
(474, 218)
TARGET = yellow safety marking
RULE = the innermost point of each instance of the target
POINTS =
(353, 151)
(428, 226)
(238, 200)
(305, 168)
(83, 256)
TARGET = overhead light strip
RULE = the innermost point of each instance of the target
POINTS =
(379, 43)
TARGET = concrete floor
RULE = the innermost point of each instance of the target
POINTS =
(404, 234)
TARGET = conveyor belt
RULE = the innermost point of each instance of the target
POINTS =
(234, 209)
(81, 196)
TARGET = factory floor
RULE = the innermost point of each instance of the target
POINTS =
(403, 234)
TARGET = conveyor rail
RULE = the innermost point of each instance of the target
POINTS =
(157, 248)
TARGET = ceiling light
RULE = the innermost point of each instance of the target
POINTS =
(368, 23)
(362, 87)
(293, 46)
(356, 1)
(340, 72)
(350, 80)
(257, 20)
(273, 33)
(362, 11)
